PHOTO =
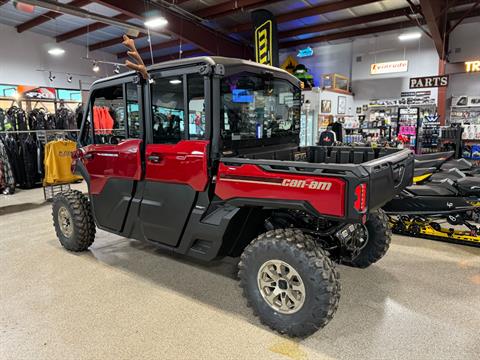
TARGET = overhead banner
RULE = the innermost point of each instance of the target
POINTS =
(389, 67)
(265, 37)
(429, 82)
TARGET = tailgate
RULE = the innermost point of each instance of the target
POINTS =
(389, 175)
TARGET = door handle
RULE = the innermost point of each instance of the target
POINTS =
(88, 156)
(154, 158)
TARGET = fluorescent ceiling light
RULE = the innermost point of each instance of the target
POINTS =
(56, 51)
(410, 36)
(156, 22)
(175, 81)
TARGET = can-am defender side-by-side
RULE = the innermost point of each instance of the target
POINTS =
(204, 160)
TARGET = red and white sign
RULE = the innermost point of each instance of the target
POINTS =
(389, 67)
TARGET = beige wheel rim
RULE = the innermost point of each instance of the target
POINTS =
(281, 286)
(65, 222)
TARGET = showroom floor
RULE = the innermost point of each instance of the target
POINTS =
(127, 300)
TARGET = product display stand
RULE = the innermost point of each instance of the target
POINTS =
(44, 136)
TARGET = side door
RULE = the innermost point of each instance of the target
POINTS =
(113, 156)
(176, 153)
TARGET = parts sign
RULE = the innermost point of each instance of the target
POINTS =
(429, 82)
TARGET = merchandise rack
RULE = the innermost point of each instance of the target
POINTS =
(49, 191)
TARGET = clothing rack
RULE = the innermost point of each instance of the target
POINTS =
(42, 135)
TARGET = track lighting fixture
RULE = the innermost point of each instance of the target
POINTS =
(51, 77)
(116, 70)
(69, 78)
(95, 67)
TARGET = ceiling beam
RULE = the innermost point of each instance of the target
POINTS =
(431, 10)
(204, 38)
(350, 33)
(348, 22)
(464, 16)
(370, 30)
(88, 28)
(146, 49)
(110, 42)
(310, 11)
(229, 7)
(54, 5)
(50, 15)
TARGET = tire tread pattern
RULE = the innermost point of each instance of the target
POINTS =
(81, 213)
(322, 271)
(379, 238)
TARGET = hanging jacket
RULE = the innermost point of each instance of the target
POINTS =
(6, 170)
(2, 120)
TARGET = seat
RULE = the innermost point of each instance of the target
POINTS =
(421, 164)
(452, 174)
(435, 156)
(460, 164)
(469, 186)
(431, 190)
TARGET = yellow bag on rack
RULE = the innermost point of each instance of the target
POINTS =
(58, 162)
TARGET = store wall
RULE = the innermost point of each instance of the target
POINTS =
(22, 54)
(326, 59)
(422, 61)
(464, 46)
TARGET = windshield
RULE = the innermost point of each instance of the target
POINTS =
(259, 108)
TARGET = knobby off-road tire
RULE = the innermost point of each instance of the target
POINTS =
(310, 270)
(73, 220)
(379, 237)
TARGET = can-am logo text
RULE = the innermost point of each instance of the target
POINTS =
(307, 184)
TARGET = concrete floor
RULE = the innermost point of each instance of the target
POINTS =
(126, 300)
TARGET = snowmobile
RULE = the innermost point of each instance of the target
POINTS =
(443, 162)
(442, 211)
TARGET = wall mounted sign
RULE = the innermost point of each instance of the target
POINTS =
(472, 66)
(428, 82)
(424, 93)
(326, 106)
(302, 53)
(33, 92)
(389, 67)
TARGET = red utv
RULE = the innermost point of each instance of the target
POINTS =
(204, 160)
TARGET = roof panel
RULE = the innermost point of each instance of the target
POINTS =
(100, 9)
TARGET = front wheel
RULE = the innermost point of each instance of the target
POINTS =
(379, 237)
(73, 220)
(291, 284)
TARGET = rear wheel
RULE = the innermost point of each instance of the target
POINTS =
(73, 220)
(379, 237)
(291, 284)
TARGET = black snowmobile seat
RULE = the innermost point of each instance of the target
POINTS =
(435, 163)
(435, 156)
(431, 190)
(460, 164)
(469, 186)
(452, 174)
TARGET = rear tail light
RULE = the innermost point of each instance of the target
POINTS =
(360, 203)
